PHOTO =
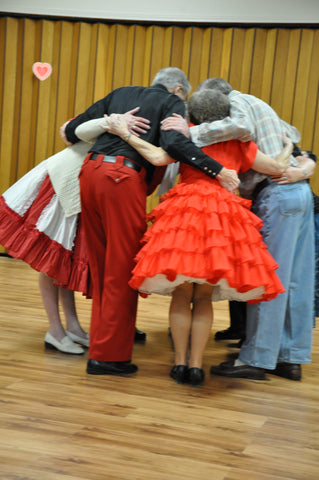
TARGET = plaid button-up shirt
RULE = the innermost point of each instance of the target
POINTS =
(250, 119)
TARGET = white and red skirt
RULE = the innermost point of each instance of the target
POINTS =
(35, 229)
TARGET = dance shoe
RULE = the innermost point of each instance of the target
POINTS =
(140, 337)
(96, 367)
(179, 373)
(65, 345)
(228, 369)
(292, 371)
(228, 334)
(84, 341)
(196, 376)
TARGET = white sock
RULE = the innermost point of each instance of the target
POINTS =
(238, 363)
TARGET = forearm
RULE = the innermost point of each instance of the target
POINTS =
(90, 130)
(221, 131)
(155, 155)
(270, 166)
(301, 172)
(266, 165)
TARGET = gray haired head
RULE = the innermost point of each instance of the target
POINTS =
(208, 106)
(216, 84)
(172, 77)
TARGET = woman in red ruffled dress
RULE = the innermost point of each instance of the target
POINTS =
(204, 243)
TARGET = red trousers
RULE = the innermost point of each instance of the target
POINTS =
(113, 198)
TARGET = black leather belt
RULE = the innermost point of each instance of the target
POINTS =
(259, 187)
(110, 159)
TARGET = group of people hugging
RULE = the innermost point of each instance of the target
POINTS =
(237, 224)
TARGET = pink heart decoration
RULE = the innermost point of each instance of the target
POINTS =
(42, 70)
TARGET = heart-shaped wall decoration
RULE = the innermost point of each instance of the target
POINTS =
(42, 70)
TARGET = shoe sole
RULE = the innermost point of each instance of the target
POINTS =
(49, 346)
(294, 378)
(93, 371)
(234, 375)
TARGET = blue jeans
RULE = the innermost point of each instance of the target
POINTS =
(281, 330)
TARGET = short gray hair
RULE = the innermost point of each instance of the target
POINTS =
(216, 84)
(208, 106)
(171, 77)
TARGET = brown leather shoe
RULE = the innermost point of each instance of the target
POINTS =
(228, 369)
(292, 371)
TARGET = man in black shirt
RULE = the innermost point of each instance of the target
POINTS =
(113, 184)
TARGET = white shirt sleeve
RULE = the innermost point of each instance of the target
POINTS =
(90, 130)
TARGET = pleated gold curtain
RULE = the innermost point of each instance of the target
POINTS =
(279, 65)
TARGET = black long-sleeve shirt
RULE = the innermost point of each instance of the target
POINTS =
(156, 103)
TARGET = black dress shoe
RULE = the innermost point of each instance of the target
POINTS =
(95, 367)
(228, 369)
(228, 334)
(196, 376)
(292, 371)
(179, 373)
(140, 337)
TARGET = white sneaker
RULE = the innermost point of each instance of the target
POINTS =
(65, 345)
(76, 339)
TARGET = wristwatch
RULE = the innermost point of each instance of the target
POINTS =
(304, 171)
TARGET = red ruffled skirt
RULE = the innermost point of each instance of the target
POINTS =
(201, 233)
(34, 228)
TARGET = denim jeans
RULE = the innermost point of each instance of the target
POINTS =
(281, 330)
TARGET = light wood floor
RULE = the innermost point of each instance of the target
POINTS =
(58, 423)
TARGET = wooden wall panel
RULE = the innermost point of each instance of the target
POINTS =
(139, 55)
(25, 128)
(147, 56)
(157, 52)
(44, 127)
(312, 94)
(8, 122)
(195, 54)
(2, 53)
(236, 57)
(177, 46)
(168, 36)
(268, 67)
(216, 53)
(83, 93)
(288, 90)
(279, 70)
(258, 60)
(279, 65)
(205, 56)
(103, 73)
(246, 62)
(302, 82)
(120, 54)
(226, 54)
(66, 76)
